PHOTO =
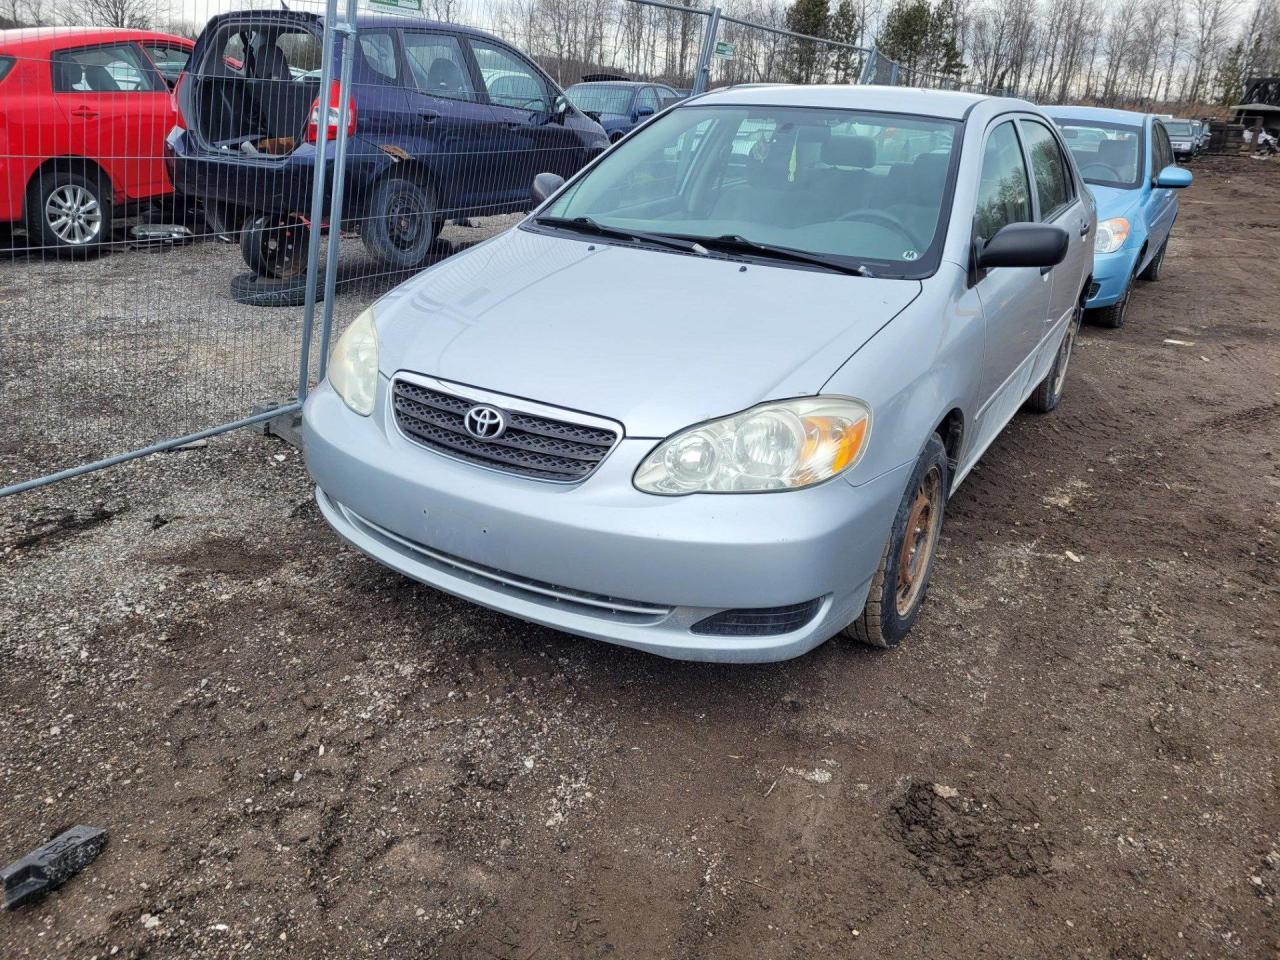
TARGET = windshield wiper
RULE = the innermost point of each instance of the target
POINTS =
(587, 225)
(740, 244)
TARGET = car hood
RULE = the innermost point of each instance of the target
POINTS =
(655, 340)
(1115, 201)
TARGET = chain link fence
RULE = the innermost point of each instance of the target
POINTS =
(187, 225)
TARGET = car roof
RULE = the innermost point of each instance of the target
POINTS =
(1132, 117)
(621, 83)
(363, 21)
(948, 104)
(49, 38)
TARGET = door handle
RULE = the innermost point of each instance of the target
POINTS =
(428, 116)
(1084, 228)
(512, 124)
(84, 113)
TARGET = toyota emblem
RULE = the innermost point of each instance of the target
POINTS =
(485, 422)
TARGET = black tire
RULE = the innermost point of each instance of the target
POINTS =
(85, 202)
(402, 223)
(275, 246)
(1048, 393)
(892, 606)
(1113, 316)
(259, 291)
(1156, 267)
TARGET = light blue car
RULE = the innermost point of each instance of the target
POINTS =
(1128, 162)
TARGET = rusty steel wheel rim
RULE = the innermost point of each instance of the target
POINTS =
(919, 541)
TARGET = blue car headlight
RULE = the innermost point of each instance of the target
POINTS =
(1112, 234)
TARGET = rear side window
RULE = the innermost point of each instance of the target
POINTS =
(6, 64)
(1004, 193)
(1053, 177)
(115, 68)
(168, 59)
(379, 49)
(510, 80)
(437, 66)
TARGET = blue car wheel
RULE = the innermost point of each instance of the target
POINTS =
(1156, 266)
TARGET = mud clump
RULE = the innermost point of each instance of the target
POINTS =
(961, 839)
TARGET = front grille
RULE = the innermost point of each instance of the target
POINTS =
(536, 446)
(758, 622)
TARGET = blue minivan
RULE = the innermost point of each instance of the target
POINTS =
(444, 122)
(1128, 162)
(619, 104)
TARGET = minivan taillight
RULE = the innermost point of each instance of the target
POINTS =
(331, 120)
(179, 121)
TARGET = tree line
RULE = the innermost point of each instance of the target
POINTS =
(1136, 53)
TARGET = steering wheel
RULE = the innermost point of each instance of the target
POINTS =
(1114, 173)
(887, 220)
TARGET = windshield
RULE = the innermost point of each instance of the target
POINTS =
(1108, 154)
(1178, 128)
(847, 185)
(599, 97)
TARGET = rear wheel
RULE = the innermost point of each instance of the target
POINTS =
(902, 579)
(70, 212)
(1048, 393)
(402, 223)
(275, 246)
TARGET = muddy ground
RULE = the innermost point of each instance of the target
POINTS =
(299, 753)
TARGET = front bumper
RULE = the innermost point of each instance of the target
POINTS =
(562, 555)
(1112, 273)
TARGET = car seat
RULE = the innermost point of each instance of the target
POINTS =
(98, 79)
(444, 78)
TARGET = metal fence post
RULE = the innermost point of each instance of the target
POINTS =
(893, 73)
(348, 31)
(317, 205)
(869, 66)
(702, 77)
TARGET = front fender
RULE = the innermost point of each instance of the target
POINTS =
(916, 370)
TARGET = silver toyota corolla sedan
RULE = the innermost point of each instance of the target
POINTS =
(709, 400)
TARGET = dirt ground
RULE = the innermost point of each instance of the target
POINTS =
(298, 753)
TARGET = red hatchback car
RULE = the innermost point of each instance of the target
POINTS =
(83, 117)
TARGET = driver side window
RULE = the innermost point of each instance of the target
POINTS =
(510, 80)
(1004, 192)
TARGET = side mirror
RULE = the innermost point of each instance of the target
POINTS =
(1024, 245)
(1174, 178)
(642, 112)
(560, 109)
(544, 185)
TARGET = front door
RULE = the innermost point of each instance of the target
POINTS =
(1015, 300)
(1058, 202)
(533, 139)
(118, 111)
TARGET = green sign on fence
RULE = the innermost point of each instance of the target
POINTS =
(401, 4)
(725, 50)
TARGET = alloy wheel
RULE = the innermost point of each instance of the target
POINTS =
(73, 214)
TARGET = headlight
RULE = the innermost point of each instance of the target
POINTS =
(353, 368)
(776, 446)
(1112, 234)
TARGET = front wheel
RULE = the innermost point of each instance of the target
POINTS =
(1046, 396)
(1156, 267)
(1113, 316)
(71, 213)
(902, 579)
